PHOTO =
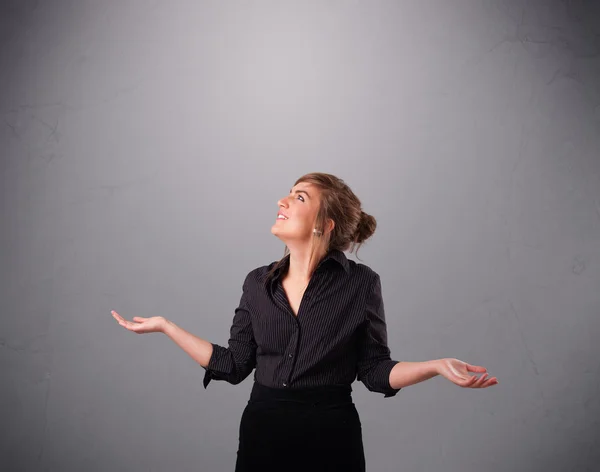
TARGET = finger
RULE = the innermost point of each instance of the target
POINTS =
(139, 318)
(460, 377)
(475, 368)
(470, 381)
(463, 381)
(116, 316)
(124, 323)
(480, 381)
(487, 383)
(131, 326)
(491, 381)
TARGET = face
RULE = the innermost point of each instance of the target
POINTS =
(300, 208)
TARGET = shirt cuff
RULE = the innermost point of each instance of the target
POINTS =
(385, 371)
(213, 364)
(207, 377)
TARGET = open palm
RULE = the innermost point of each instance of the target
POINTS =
(141, 325)
(458, 372)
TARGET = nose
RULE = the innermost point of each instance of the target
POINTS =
(282, 202)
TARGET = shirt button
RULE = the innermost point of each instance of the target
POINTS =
(284, 384)
(290, 355)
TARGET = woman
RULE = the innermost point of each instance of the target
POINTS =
(310, 324)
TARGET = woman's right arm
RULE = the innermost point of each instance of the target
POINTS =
(232, 364)
(197, 348)
(235, 362)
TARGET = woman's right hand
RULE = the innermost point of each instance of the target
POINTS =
(155, 324)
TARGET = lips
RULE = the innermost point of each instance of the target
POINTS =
(281, 214)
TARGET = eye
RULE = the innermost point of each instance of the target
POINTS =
(300, 196)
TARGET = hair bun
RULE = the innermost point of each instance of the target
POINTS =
(366, 227)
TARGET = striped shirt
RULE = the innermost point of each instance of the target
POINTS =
(338, 336)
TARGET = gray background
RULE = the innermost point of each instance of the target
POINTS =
(144, 147)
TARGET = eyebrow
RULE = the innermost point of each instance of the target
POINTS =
(301, 191)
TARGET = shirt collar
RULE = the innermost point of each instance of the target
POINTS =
(339, 257)
(334, 254)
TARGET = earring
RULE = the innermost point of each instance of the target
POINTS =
(318, 233)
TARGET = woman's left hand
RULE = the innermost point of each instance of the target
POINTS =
(457, 372)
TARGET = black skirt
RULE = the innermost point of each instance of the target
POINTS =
(312, 429)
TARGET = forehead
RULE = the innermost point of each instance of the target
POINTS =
(305, 186)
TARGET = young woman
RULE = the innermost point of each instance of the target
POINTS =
(310, 324)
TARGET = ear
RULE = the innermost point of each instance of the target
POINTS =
(330, 225)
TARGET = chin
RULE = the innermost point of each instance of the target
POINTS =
(278, 233)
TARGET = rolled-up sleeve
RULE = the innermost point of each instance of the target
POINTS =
(374, 361)
(235, 362)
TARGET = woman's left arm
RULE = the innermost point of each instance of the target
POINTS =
(374, 363)
(409, 373)
(381, 374)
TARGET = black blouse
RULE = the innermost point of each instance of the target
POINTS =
(338, 336)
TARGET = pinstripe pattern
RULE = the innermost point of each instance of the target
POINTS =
(338, 336)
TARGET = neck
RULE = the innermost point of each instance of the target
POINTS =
(300, 267)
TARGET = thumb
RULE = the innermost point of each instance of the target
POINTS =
(476, 368)
(139, 318)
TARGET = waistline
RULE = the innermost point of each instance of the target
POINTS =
(322, 395)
